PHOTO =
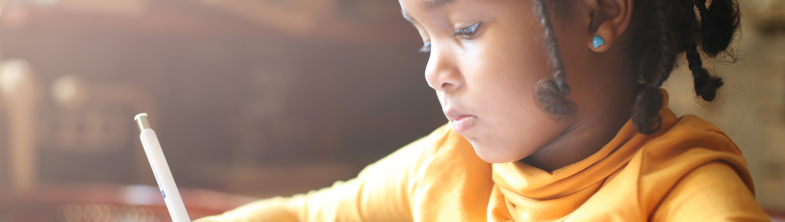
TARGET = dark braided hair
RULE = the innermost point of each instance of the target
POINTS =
(551, 92)
(660, 35)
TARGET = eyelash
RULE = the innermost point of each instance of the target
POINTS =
(426, 47)
(466, 33)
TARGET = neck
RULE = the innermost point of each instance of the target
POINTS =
(575, 144)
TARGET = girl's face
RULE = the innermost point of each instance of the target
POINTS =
(485, 58)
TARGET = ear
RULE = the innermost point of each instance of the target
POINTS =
(609, 20)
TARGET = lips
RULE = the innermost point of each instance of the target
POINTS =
(461, 122)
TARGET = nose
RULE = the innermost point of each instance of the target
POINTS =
(442, 72)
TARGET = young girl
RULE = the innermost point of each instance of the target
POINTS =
(556, 114)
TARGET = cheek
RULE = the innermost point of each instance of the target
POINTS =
(501, 80)
(510, 57)
(504, 71)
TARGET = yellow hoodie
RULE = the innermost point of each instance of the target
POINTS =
(688, 171)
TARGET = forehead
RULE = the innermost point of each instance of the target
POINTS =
(422, 4)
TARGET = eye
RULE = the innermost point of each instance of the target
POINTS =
(468, 32)
(426, 48)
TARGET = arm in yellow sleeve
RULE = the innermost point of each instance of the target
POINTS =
(712, 192)
(273, 209)
(379, 193)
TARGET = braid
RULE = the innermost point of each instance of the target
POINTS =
(660, 36)
(718, 23)
(706, 85)
(551, 92)
(645, 111)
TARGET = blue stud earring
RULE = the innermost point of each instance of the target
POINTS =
(597, 41)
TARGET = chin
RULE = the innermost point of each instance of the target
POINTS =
(495, 154)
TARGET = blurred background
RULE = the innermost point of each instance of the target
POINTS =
(260, 98)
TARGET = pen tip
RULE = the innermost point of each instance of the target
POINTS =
(136, 118)
(141, 119)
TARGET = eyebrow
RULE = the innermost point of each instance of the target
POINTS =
(430, 4)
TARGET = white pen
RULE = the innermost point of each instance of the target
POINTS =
(161, 170)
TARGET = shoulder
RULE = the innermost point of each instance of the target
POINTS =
(692, 147)
(711, 192)
(690, 143)
(693, 132)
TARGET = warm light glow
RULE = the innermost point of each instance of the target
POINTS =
(12, 73)
(105, 213)
(64, 90)
(114, 213)
(76, 214)
(132, 214)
